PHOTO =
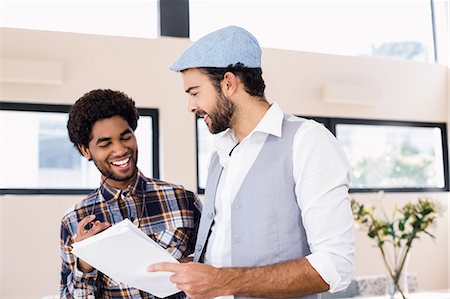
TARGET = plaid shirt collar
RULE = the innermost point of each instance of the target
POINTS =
(138, 188)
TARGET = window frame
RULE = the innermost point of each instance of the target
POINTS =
(62, 108)
(377, 122)
(197, 157)
(331, 122)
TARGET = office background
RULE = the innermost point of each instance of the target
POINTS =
(29, 224)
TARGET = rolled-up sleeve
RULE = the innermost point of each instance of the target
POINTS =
(323, 175)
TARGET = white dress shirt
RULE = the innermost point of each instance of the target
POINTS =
(322, 176)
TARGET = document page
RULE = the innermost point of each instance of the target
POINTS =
(123, 252)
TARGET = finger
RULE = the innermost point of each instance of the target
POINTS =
(181, 287)
(165, 267)
(101, 225)
(175, 278)
(82, 224)
(96, 228)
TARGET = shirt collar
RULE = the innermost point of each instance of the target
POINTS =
(137, 188)
(270, 123)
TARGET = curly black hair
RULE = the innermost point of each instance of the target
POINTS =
(96, 105)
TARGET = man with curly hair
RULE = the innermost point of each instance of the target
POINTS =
(101, 125)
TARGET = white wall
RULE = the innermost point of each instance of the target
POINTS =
(29, 225)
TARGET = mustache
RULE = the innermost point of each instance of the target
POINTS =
(128, 154)
(201, 113)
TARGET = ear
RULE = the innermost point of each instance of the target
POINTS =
(230, 83)
(85, 151)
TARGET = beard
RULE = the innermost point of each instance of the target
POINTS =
(109, 174)
(222, 116)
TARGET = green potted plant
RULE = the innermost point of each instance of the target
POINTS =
(394, 235)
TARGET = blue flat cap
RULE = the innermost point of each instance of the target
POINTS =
(221, 48)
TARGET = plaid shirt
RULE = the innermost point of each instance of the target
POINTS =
(171, 218)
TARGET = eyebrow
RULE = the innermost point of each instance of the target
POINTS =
(104, 139)
(126, 131)
(191, 88)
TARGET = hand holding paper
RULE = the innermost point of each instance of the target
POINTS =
(122, 252)
(197, 280)
(83, 233)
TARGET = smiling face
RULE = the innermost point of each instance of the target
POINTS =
(207, 102)
(113, 148)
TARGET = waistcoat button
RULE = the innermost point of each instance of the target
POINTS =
(199, 247)
(210, 215)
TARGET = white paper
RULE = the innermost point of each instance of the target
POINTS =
(123, 252)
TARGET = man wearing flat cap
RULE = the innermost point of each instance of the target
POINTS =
(276, 220)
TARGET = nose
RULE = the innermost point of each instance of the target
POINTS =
(119, 149)
(192, 105)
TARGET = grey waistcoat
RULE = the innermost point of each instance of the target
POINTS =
(266, 223)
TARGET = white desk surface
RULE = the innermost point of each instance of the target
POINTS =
(439, 294)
